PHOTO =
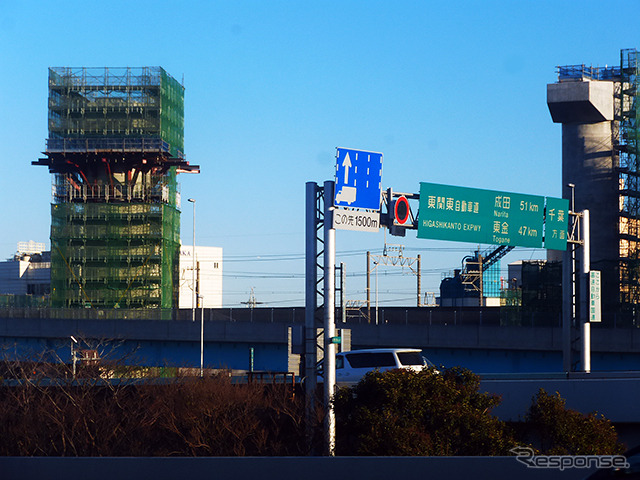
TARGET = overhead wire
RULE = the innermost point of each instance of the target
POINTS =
(296, 275)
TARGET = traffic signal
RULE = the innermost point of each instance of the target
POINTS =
(401, 210)
(399, 216)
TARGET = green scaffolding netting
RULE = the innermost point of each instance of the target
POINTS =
(106, 255)
(116, 103)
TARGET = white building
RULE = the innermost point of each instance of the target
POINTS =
(207, 276)
(28, 272)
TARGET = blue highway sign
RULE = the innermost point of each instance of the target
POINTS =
(358, 179)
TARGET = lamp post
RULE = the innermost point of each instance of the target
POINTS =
(201, 297)
(73, 355)
(193, 263)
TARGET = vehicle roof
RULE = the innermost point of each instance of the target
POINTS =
(381, 350)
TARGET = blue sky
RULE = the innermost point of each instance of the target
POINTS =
(451, 92)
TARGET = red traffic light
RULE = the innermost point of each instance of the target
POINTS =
(401, 210)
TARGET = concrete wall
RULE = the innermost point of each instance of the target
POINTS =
(154, 343)
(294, 468)
(613, 395)
(481, 348)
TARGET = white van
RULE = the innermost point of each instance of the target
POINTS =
(353, 365)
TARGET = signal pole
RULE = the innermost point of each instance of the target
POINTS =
(576, 322)
(329, 318)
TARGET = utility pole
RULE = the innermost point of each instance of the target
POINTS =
(193, 263)
(419, 286)
(368, 287)
(398, 260)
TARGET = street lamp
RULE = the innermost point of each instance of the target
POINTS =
(201, 297)
(193, 263)
(73, 355)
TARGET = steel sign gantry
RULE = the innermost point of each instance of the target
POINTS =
(353, 202)
(357, 186)
(314, 298)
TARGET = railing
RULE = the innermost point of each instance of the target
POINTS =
(105, 77)
(65, 145)
(66, 193)
(574, 72)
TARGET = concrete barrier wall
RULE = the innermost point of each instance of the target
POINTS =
(292, 468)
(615, 395)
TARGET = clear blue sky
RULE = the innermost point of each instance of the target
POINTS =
(451, 92)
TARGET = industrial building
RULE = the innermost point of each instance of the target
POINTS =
(115, 147)
(205, 272)
(598, 110)
(25, 278)
(477, 282)
(26, 275)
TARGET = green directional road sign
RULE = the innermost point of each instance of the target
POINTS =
(556, 223)
(480, 216)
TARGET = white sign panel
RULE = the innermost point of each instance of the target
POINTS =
(594, 296)
(359, 220)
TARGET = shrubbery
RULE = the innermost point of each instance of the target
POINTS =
(556, 430)
(43, 412)
(427, 413)
(185, 417)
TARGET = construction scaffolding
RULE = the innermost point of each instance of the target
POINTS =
(116, 137)
(104, 103)
(106, 255)
(137, 186)
(628, 160)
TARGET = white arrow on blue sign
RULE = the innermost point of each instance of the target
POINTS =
(358, 179)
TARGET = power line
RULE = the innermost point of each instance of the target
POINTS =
(345, 253)
(261, 275)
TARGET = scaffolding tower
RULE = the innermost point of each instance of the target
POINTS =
(115, 147)
(628, 159)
